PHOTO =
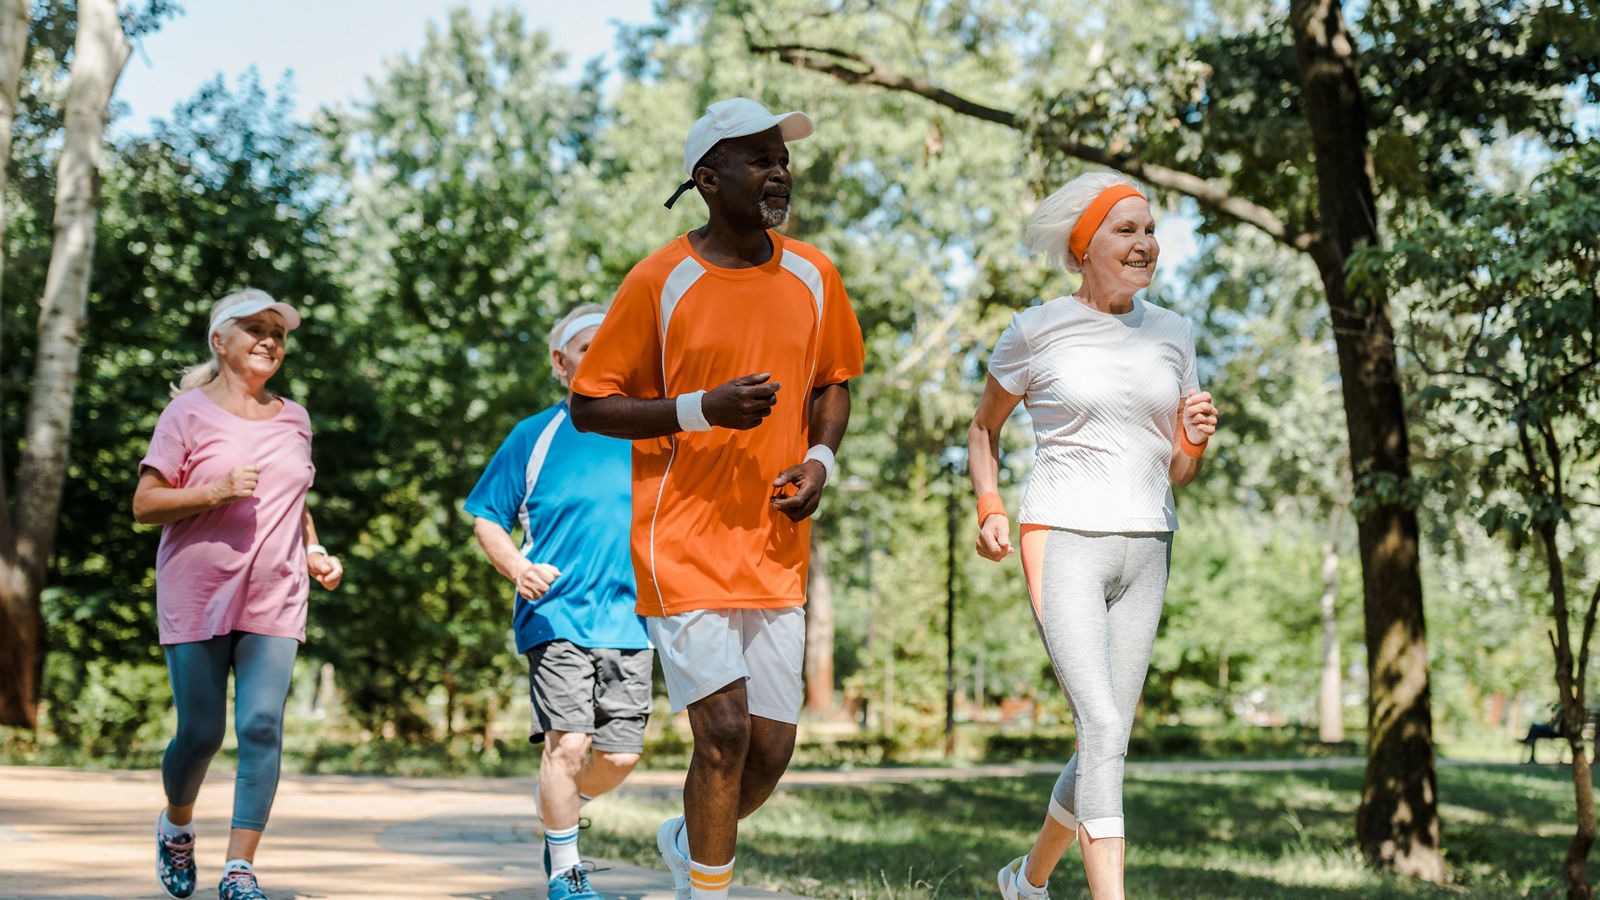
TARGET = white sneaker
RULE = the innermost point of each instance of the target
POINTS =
(1010, 878)
(677, 863)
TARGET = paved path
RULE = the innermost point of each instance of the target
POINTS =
(86, 835)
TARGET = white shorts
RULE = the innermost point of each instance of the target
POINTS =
(705, 650)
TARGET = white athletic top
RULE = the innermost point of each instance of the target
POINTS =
(1103, 391)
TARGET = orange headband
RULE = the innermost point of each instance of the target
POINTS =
(1089, 222)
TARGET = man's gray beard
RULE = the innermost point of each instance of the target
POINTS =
(772, 218)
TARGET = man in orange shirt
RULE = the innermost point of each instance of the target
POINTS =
(724, 358)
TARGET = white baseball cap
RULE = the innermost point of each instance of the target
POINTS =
(248, 302)
(736, 117)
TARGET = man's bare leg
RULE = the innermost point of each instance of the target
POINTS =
(714, 787)
(771, 745)
(560, 763)
(604, 770)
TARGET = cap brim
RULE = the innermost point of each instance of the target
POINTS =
(795, 125)
(291, 317)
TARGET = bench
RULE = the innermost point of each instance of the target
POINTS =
(1555, 729)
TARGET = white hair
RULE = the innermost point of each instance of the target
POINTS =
(561, 325)
(1050, 226)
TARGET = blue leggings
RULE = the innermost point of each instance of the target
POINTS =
(262, 667)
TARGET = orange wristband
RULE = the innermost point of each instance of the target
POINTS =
(990, 504)
(1189, 448)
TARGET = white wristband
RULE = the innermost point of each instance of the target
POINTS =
(317, 548)
(691, 417)
(822, 454)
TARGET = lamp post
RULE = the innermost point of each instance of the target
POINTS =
(954, 461)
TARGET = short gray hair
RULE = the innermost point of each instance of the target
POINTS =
(1050, 226)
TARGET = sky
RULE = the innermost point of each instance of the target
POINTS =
(330, 46)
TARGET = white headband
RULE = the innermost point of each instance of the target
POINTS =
(587, 320)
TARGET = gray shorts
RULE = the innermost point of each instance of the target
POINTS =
(605, 693)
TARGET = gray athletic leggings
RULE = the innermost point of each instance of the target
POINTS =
(261, 667)
(1100, 605)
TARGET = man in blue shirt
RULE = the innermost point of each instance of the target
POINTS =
(589, 660)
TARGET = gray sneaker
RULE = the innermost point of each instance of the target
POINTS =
(677, 863)
(1009, 878)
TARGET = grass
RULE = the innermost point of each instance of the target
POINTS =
(1251, 836)
(1194, 836)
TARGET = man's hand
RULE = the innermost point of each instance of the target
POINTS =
(535, 578)
(327, 570)
(741, 403)
(797, 491)
(994, 538)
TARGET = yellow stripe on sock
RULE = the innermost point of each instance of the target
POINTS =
(708, 882)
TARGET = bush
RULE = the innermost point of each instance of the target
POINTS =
(1227, 741)
(1008, 747)
(106, 709)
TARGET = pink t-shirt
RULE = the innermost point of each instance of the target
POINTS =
(239, 567)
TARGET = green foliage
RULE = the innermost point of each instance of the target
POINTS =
(1507, 339)
(102, 708)
(455, 254)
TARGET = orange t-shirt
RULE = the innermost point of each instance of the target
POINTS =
(705, 534)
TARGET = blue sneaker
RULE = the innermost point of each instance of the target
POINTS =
(240, 884)
(175, 864)
(573, 884)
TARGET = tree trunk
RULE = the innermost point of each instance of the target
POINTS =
(1575, 868)
(1397, 823)
(98, 55)
(819, 631)
(13, 47)
(19, 625)
(1330, 711)
(1571, 679)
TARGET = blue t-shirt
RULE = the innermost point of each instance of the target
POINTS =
(571, 493)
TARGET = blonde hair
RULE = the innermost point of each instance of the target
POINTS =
(1050, 226)
(202, 373)
(561, 325)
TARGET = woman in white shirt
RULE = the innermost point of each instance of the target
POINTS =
(1119, 419)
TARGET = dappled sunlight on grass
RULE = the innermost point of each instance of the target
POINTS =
(1195, 836)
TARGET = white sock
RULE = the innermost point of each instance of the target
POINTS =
(1024, 886)
(709, 882)
(170, 831)
(237, 865)
(563, 846)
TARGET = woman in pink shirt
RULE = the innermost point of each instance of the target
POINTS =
(226, 477)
